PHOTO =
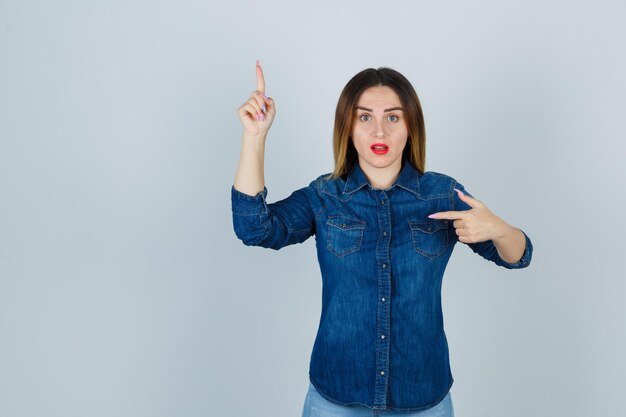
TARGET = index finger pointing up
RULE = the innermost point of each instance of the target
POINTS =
(260, 81)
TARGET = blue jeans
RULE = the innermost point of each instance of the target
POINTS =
(317, 406)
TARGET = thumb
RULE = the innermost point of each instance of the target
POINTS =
(271, 104)
(470, 201)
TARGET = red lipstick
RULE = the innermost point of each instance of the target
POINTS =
(379, 148)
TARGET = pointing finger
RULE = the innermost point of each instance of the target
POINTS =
(450, 215)
(260, 80)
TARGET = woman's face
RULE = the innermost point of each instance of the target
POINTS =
(379, 120)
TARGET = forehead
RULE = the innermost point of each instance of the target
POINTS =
(379, 96)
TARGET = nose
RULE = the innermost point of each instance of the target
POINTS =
(379, 129)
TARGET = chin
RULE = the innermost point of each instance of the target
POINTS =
(380, 163)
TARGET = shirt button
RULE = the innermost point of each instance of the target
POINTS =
(384, 233)
(382, 372)
(382, 202)
(382, 336)
(382, 299)
(384, 265)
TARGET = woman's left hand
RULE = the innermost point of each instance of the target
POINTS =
(476, 225)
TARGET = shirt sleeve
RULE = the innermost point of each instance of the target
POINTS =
(273, 225)
(487, 249)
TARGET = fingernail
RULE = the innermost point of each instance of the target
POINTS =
(264, 108)
(264, 96)
(458, 191)
(432, 216)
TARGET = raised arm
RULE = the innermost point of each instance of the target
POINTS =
(256, 116)
(255, 221)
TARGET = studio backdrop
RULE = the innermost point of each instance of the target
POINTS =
(123, 288)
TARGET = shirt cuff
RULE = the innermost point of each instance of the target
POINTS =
(247, 205)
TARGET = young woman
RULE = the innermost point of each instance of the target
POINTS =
(384, 229)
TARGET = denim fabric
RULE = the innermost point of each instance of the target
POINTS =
(381, 339)
(317, 406)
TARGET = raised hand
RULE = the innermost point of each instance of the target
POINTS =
(257, 114)
(476, 225)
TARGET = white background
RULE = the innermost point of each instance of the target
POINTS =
(123, 289)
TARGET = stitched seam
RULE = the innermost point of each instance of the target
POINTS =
(247, 213)
(318, 191)
(452, 195)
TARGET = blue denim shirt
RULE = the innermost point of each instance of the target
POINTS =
(381, 340)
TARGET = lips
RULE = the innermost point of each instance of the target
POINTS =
(379, 148)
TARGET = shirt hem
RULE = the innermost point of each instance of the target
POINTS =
(421, 408)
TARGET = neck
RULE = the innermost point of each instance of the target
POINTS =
(381, 178)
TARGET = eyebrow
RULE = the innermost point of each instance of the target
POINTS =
(386, 110)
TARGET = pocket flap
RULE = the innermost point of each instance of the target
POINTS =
(346, 223)
(429, 227)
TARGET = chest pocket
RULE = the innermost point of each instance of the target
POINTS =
(344, 235)
(430, 238)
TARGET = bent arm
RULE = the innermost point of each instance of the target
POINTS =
(489, 251)
(512, 249)
(275, 225)
(257, 223)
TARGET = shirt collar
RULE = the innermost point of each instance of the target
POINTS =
(408, 179)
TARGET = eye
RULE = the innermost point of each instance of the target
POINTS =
(395, 118)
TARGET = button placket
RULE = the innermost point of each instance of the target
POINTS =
(383, 256)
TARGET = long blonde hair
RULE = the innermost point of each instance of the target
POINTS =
(344, 152)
